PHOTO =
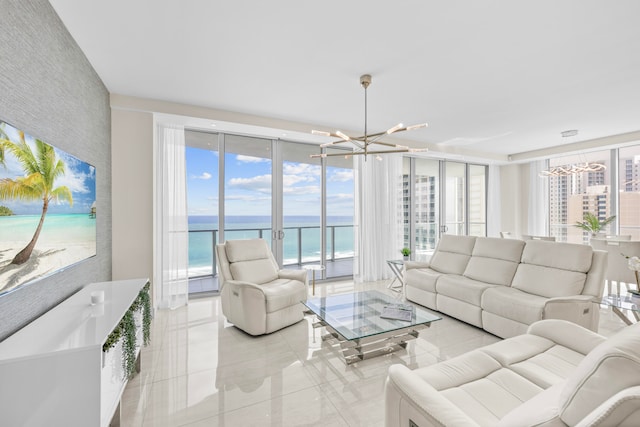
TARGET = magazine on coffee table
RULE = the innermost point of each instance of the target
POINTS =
(397, 312)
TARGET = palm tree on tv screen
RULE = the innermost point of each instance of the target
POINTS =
(41, 170)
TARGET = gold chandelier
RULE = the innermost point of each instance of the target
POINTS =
(362, 145)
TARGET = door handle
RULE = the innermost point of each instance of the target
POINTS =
(274, 236)
(280, 234)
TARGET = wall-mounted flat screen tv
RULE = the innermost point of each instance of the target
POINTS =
(47, 209)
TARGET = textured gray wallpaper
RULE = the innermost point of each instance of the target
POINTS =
(49, 90)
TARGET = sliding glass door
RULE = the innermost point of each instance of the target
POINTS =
(339, 208)
(301, 191)
(242, 187)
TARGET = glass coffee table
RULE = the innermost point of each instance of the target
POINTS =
(355, 321)
(623, 302)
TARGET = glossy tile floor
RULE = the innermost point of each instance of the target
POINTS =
(201, 371)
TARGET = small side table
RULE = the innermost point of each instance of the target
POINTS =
(314, 268)
(396, 265)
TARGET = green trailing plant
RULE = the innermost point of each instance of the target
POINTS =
(128, 343)
(126, 330)
(592, 224)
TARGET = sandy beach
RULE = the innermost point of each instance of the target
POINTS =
(45, 259)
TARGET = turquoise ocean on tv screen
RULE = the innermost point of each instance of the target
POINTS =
(247, 227)
(63, 228)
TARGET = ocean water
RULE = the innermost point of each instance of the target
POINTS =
(201, 237)
(57, 228)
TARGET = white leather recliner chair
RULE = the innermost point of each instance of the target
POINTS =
(256, 296)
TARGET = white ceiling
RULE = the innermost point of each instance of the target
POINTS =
(496, 77)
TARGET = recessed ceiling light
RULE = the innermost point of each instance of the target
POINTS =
(213, 125)
(568, 133)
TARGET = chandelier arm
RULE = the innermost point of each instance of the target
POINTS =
(328, 144)
(387, 144)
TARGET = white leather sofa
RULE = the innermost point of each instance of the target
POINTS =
(504, 285)
(557, 374)
(256, 296)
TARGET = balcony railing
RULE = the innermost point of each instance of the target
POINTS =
(202, 242)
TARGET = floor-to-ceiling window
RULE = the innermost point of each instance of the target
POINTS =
(629, 191)
(202, 208)
(572, 196)
(270, 189)
(455, 198)
(301, 204)
(435, 189)
(339, 215)
(614, 191)
(477, 200)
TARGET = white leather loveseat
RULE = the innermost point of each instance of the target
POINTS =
(504, 285)
(557, 374)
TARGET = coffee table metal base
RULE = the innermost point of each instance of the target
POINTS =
(376, 345)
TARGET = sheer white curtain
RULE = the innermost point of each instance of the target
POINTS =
(538, 218)
(171, 282)
(378, 216)
(494, 201)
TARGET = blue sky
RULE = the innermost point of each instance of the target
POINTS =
(248, 186)
(80, 178)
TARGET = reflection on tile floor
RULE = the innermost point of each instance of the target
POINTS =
(201, 371)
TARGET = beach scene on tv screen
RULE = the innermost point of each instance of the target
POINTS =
(47, 209)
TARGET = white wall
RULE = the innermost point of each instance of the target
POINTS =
(132, 184)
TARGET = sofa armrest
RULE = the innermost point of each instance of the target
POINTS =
(408, 397)
(580, 309)
(622, 407)
(415, 264)
(567, 334)
(241, 284)
(300, 275)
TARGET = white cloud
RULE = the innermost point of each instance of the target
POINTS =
(204, 175)
(251, 159)
(246, 198)
(340, 196)
(289, 180)
(74, 181)
(301, 169)
(261, 183)
(309, 189)
(341, 176)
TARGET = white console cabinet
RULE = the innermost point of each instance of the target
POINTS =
(53, 371)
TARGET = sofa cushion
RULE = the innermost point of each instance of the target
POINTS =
(462, 369)
(563, 256)
(547, 281)
(494, 260)
(246, 250)
(513, 304)
(452, 254)
(552, 269)
(608, 369)
(283, 293)
(462, 288)
(255, 271)
(489, 399)
(422, 278)
(480, 385)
